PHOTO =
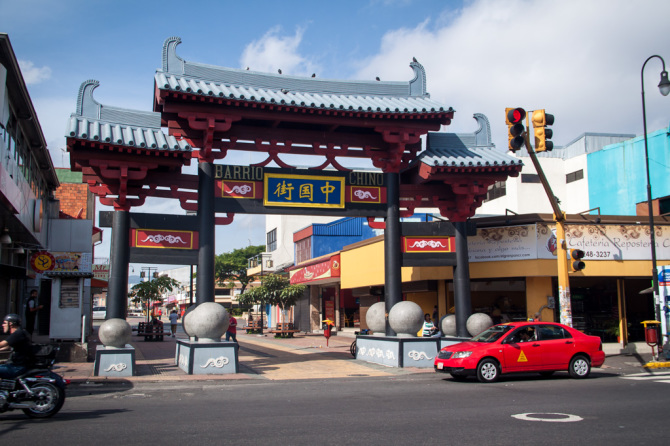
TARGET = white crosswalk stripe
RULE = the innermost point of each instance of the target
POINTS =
(660, 377)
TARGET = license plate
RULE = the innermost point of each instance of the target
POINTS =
(440, 365)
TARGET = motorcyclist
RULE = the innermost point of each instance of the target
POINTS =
(19, 343)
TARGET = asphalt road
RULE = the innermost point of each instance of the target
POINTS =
(407, 410)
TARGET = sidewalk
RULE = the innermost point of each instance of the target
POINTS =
(260, 357)
(301, 357)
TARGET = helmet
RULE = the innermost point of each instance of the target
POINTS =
(13, 319)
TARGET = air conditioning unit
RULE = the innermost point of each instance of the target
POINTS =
(269, 263)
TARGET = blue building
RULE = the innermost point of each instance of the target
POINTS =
(617, 176)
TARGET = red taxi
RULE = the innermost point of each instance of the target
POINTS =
(544, 347)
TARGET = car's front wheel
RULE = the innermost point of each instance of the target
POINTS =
(580, 367)
(488, 371)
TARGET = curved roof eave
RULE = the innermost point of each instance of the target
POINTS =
(179, 75)
(95, 122)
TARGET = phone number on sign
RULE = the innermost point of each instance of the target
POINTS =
(599, 254)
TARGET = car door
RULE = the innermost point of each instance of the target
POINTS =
(520, 355)
(558, 346)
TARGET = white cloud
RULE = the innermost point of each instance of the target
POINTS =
(579, 60)
(32, 74)
(274, 52)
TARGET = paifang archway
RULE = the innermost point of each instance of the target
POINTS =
(208, 111)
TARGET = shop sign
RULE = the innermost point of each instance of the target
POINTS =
(503, 243)
(159, 238)
(72, 262)
(323, 270)
(538, 241)
(607, 242)
(42, 261)
(101, 271)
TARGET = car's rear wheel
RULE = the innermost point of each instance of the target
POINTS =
(488, 371)
(458, 377)
(580, 367)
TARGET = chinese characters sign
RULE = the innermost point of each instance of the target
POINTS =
(303, 191)
(266, 190)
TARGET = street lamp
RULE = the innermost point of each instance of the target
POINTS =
(664, 87)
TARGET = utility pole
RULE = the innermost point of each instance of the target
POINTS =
(518, 136)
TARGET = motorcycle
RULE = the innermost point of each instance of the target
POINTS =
(39, 392)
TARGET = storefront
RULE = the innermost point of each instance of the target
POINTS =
(513, 271)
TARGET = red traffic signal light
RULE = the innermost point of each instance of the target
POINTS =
(576, 256)
(514, 118)
(515, 115)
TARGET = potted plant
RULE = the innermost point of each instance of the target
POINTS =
(613, 330)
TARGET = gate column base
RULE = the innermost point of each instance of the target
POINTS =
(207, 358)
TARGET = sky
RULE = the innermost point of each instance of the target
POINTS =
(581, 60)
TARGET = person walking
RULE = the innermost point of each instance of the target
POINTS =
(32, 309)
(232, 329)
(173, 322)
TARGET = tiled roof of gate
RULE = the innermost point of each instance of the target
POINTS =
(466, 150)
(118, 126)
(179, 75)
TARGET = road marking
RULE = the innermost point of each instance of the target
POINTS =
(662, 377)
(548, 417)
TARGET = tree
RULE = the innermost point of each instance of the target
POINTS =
(151, 291)
(275, 290)
(232, 266)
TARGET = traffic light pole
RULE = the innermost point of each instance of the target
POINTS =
(565, 304)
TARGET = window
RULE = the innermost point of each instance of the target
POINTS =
(530, 178)
(271, 240)
(496, 190)
(548, 332)
(303, 250)
(574, 176)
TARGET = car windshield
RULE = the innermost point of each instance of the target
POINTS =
(492, 334)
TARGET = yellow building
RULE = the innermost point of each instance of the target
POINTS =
(513, 272)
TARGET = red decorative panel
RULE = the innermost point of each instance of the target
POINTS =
(238, 189)
(161, 238)
(366, 194)
(428, 244)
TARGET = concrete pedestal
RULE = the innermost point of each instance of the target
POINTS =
(393, 351)
(207, 358)
(114, 362)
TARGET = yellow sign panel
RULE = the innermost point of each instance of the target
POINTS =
(522, 357)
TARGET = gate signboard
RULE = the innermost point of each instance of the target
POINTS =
(262, 190)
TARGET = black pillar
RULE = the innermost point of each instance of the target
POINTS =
(392, 268)
(462, 280)
(205, 273)
(117, 288)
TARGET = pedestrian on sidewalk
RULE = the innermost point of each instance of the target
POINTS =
(173, 322)
(32, 309)
(232, 329)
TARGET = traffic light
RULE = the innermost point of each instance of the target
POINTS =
(576, 256)
(540, 122)
(514, 118)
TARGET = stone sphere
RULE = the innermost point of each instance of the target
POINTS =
(207, 322)
(376, 318)
(183, 318)
(478, 322)
(115, 333)
(406, 318)
(448, 325)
